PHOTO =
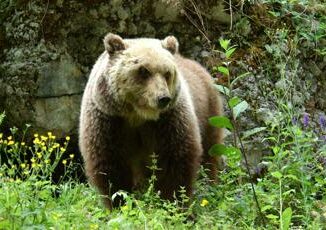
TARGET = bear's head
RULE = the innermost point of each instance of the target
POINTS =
(141, 75)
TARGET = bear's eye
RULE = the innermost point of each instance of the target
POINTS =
(167, 75)
(143, 72)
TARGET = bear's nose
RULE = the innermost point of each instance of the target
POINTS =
(163, 102)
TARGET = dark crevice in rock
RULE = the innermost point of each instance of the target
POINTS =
(58, 96)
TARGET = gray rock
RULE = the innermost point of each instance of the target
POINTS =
(264, 115)
(60, 78)
(205, 54)
(59, 114)
(314, 69)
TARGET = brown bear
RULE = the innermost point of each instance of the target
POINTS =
(143, 97)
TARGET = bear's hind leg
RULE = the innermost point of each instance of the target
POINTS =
(213, 163)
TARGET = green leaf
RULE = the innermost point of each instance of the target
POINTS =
(216, 150)
(220, 122)
(223, 70)
(269, 49)
(224, 43)
(239, 78)
(266, 207)
(288, 192)
(293, 177)
(44, 194)
(277, 174)
(253, 131)
(229, 52)
(271, 216)
(223, 89)
(239, 108)
(234, 101)
(275, 14)
(286, 217)
(220, 149)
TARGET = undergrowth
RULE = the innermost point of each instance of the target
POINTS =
(292, 194)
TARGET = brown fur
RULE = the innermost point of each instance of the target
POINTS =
(207, 104)
(120, 129)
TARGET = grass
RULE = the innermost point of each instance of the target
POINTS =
(292, 194)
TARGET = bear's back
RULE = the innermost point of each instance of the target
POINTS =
(204, 96)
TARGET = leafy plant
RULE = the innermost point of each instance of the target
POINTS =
(19, 161)
(237, 106)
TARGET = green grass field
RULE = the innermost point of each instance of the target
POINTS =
(291, 194)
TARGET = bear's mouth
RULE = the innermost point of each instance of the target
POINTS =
(146, 112)
(147, 108)
(144, 105)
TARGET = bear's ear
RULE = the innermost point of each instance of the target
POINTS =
(113, 43)
(171, 44)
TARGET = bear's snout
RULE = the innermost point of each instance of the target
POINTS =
(163, 101)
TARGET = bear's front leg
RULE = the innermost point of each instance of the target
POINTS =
(179, 153)
(103, 153)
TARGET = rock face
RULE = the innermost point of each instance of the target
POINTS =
(57, 102)
(48, 49)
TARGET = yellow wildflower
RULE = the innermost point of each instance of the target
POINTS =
(44, 148)
(33, 160)
(43, 138)
(23, 165)
(67, 138)
(11, 142)
(39, 155)
(35, 135)
(1, 174)
(9, 138)
(204, 202)
(22, 144)
(64, 162)
(71, 156)
(62, 149)
(47, 161)
(1, 135)
(36, 141)
(34, 165)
